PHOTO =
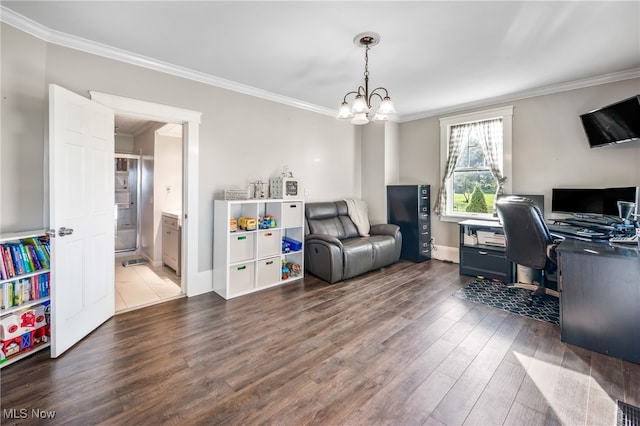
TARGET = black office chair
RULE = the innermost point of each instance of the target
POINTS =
(528, 242)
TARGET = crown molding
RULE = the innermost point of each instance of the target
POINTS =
(48, 35)
(512, 97)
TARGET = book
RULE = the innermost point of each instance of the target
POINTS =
(34, 257)
(36, 287)
(5, 260)
(45, 285)
(17, 259)
(33, 294)
(3, 267)
(17, 293)
(26, 291)
(6, 295)
(44, 241)
(27, 255)
(27, 263)
(9, 261)
(43, 255)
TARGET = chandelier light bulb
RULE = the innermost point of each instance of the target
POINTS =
(379, 117)
(359, 105)
(386, 107)
(360, 119)
(345, 112)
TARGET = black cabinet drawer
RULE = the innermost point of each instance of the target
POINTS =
(424, 230)
(487, 263)
(424, 247)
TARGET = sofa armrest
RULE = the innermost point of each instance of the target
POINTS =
(325, 238)
(323, 257)
(385, 229)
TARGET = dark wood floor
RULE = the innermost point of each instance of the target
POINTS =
(389, 347)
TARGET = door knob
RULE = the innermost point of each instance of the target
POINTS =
(64, 231)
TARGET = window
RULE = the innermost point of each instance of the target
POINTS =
(476, 153)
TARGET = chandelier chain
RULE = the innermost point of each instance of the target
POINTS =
(366, 61)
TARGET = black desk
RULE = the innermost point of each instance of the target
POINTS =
(599, 286)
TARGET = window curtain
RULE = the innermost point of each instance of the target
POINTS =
(457, 137)
(490, 135)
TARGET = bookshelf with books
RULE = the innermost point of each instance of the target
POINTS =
(24, 295)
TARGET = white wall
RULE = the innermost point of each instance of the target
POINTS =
(23, 154)
(549, 149)
(124, 144)
(168, 173)
(322, 152)
(392, 153)
(380, 166)
(373, 171)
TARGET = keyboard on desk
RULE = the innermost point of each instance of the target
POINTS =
(577, 231)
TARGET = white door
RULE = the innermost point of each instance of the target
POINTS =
(81, 193)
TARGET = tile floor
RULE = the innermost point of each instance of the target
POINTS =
(143, 285)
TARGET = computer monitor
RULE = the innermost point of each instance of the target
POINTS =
(577, 201)
(611, 196)
(592, 201)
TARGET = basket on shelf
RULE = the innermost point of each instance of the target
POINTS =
(236, 194)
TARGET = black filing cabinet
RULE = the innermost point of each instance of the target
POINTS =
(408, 206)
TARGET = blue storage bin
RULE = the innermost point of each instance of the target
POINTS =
(293, 245)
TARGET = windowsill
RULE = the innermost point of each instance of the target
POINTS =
(460, 218)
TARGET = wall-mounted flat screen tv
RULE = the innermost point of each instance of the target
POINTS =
(616, 123)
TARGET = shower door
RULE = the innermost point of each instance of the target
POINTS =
(127, 192)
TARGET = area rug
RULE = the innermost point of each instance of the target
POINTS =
(628, 415)
(515, 300)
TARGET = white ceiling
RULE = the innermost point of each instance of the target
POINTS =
(434, 56)
(133, 126)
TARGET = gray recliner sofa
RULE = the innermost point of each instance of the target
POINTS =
(334, 249)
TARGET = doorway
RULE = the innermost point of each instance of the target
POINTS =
(193, 283)
(148, 185)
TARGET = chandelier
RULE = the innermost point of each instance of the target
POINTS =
(358, 112)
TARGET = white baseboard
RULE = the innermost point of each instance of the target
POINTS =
(446, 253)
(154, 263)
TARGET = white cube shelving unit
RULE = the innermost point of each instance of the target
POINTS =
(245, 261)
